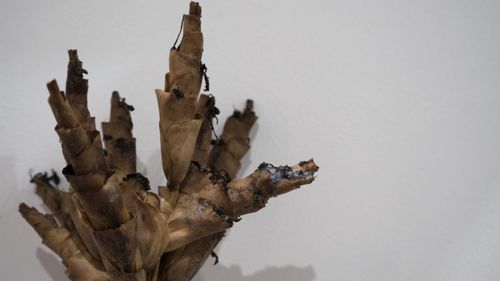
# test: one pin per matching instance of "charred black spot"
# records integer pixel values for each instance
(282, 172)
(229, 221)
(140, 178)
(107, 137)
(68, 170)
(75, 81)
(123, 145)
(214, 255)
(178, 93)
(105, 152)
(219, 210)
(203, 72)
(237, 114)
(264, 165)
(54, 178)
(211, 108)
(287, 171)
(302, 163)
(123, 103)
(196, 164)
(217, 142)
(258, 198)
(220, 176)
(212, 112)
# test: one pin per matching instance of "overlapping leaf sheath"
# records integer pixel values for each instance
(114, 216)
(179, 126)
(108, 225)
(118, 139)
(60, 241)
(224, 160)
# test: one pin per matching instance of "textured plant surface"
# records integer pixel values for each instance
(109, 226)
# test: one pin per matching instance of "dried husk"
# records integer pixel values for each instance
(111, 227)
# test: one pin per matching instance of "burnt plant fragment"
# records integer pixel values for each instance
(109, 225)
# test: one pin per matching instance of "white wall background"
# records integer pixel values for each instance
(398, 102)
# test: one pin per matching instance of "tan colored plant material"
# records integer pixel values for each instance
(109, 225)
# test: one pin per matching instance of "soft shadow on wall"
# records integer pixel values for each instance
(51, 264)
(233, 273)
(219, 272)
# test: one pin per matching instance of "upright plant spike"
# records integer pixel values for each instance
(109, 226)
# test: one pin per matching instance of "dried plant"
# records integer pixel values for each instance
(109, 226)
